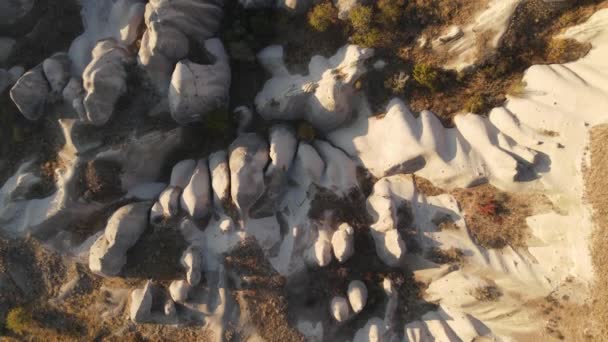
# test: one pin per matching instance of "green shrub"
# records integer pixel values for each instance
(360, 18)
(426, 76)
(391, 10)
(370, 38)
(19, 320)
(475, 104)
(323, 16)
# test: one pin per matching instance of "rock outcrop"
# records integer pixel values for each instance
(199, 89)
(324, 97)
(109, 252)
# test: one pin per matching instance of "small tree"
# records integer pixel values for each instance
(360, 18)
(426, 76)
(323, 16)
(391, 10)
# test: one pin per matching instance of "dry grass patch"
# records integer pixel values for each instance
(489, 293)
(497, 219)
(596, 184)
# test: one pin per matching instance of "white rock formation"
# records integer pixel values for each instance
(357, 295)
(324, 97)
(170, 25)
(383, 205)
(248, 158)
(492, 21)
(192, 261)
(182, 172)
(199, 89)
(169, 201)
(116, 20)
(31, 93)
(220, 178)
(179, 290)
(104, 81)
(141, 304)
(108, 254)
(339, 309)
(196, 198)
(57, 71)
(143, 157)
(319, 254)
(343, 242)
(345, 6)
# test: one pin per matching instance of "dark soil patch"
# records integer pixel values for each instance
(489, 293)
(102, 180)
(156, 255)
(261, 293)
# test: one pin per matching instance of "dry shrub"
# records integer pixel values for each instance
(565, 50)
(489, 293)
(323, 16)
(497, 219)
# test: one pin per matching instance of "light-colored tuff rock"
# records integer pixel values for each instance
(383, 205)
(169, 200)
(107, 255)
(31, 93)
(141, 304)
(199, 89)
(57, 71)
(142, 158)
(170, 27)
(220, 178)
(181, 173)
(339, 309)
(343, 242)
(319, 254)
(115, 20)
(192, 261)
(453, 33)
(248, 158)
(104, 81)
(324, 97)
(14, 10)
(357, 295)
(196, 198)
(373, 331)
(179, 290)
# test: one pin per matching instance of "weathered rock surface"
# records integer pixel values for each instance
(31, 93)
(357, 295)
(141, 304)
(192, 262)
(57, 71)
(104, 81)
(248, 158)
(199, 89)
(339, 309)
(12, 11)
(196, 198)
(324, 97)
(108, 254)
(343, 242)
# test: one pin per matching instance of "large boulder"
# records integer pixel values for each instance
(108, 254)
(199, 89)
(105, 81)
(196, 198)
(11, 11)
(248, 158)
(31, 93)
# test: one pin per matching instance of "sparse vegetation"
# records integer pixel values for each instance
(361, 17)
(489, 293)
(447, 256)
(19, 320)
(427, 76)
(497, 219)
(323, 16)
(475, 104)
(565, 50)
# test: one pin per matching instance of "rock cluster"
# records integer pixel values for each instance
(324, 97)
